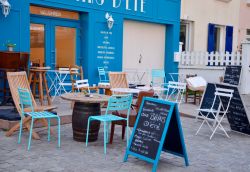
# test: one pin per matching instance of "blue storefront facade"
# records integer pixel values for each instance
(94, 38)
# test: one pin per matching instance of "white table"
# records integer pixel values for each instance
(57, 78)
(125, 90)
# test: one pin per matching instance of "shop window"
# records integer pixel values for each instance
(186, 35)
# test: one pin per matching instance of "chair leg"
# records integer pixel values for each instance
(186, 97)
(108, 131)
(123, 131)
(87, 137)
(200, 126)
(127, 133)
(105, 137)
(195, 97)
(20, 131)
(30, 136)
(112, 133)
(48, 129)
(59, 132)
(220, 126)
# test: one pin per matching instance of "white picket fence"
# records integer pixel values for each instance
(210, 59)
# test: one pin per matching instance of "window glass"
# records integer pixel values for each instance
(248, 32)
(186, 35)
(217, 35)
(37, 44)
(65, 46)
(183, 36)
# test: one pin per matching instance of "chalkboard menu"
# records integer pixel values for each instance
(158, 128)
(232, 75)
(208, 98)
(149, 129)
(175, 145)
(237, 115)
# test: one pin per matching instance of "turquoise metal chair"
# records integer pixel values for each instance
(26, 102)
(102, 75)
(158, 77)
(116, 103)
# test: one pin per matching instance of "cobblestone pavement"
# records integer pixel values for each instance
(218, 154)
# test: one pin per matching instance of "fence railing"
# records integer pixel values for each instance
(210, 59)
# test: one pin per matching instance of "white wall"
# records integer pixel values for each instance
(244, 22)
(147, 40)
(203, 12)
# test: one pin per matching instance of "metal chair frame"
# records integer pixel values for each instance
(115, 103)
(63, 73)
(82, 84)
(102, 75)
(175, 91)
(222, 110)
(26, 102)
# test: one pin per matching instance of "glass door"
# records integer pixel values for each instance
(54, 42)
(65, 46)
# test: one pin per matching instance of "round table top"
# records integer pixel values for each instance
(80, 97)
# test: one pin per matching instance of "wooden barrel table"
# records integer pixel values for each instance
(83, 108)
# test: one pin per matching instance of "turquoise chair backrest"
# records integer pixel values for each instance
(158, 74)
(25, 99)
(119, 102)
(102, 74)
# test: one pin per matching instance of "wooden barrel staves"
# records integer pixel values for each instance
(80, 116)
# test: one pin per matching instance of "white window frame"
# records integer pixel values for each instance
(189, 34)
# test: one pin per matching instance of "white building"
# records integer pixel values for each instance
(214, 25)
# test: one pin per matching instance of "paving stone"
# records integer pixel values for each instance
(220, 154)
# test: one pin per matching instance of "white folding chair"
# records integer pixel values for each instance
(82, 84)
(175, 91)
(224, 96)
(63, 73)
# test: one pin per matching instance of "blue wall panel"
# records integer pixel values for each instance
(93, 28)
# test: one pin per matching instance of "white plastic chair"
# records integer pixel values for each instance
(175, 91)
(217, 113)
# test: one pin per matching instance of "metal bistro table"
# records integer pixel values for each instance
(83, 108)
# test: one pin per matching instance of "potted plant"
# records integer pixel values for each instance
(10, 46)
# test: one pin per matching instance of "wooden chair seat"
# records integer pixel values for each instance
(41, 108)
(132, 115)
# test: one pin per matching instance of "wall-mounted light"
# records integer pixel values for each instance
(5, 7)
(110, 20)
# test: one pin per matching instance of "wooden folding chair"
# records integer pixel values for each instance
(19, 79)
(118, 80)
